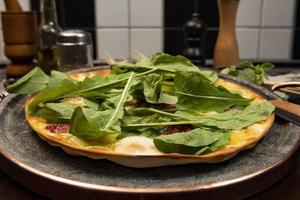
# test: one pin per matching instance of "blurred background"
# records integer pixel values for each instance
(267, 30)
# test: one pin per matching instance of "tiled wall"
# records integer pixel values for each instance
(266, 29)
(126, 27)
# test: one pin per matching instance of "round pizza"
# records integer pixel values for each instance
(161, 110)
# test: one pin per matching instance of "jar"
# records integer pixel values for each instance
(74, 50)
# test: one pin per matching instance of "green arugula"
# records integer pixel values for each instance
(93, 86)
(165, 63)
(248, 71)
(52, 93)
(152, 87)
(34, 81)
(89, 124)
(233, 120)
(196, 93)
(190, 142)
(224, 139)
(56, 112)
(98, 123)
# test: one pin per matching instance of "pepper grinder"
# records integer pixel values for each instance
(226, 48)
(195, 33)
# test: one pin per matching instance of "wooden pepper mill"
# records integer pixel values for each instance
(226, 49)
(20, 38)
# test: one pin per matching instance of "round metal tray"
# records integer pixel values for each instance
(55, 174)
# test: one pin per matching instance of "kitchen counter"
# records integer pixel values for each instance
(286, 189)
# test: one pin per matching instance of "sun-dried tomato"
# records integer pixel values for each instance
(177, 128)
(58, 128)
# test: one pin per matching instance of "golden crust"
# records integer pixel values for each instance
(240, 140)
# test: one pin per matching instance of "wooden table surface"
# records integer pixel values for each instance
(288, 188)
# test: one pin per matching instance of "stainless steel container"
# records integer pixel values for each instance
(74, 50)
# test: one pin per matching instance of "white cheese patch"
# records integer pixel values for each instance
(136, 145)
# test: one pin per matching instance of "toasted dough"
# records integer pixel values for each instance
(240, 139)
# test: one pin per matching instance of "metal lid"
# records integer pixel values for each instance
(74, 37)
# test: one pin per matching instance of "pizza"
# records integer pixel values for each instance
(159, 111)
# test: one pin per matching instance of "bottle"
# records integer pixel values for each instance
(195, 34)
(49, 29)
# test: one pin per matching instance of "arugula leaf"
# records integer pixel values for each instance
(56, 78)
(248, 74)
(173, 62)
(210, 75)
(52, 93)
(167, 99)
(125, 66)
(152, 87)
(97, 85)
(187, 142)
(253, 113)
(148, 132)
(118, 111)
(231, 70)
(196, 93)
(88, 123)
(56, 112)
(164, 63)
(256, 74)
(91, 104)
(32, 82)
(223, 140)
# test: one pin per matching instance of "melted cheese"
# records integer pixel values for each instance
(136, 145)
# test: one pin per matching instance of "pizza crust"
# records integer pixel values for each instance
(240, 139)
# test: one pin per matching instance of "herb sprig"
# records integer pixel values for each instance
(248, 71)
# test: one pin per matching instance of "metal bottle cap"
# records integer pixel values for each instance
(74, 37)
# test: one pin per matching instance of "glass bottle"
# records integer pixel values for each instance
(49, 29)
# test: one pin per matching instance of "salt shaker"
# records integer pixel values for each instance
(74, 50)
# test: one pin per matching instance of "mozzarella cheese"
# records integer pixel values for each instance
(136, 145)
